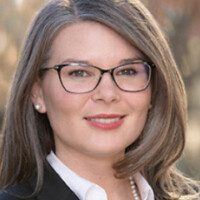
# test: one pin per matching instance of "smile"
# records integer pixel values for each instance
(105, 121)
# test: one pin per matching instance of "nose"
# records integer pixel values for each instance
(106, 91)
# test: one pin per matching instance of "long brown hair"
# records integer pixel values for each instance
(27, 134)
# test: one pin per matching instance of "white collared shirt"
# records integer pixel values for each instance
(86, 190)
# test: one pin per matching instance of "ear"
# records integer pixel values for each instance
(37, 97)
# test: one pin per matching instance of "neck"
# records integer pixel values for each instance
(98, 170)
(99, 167)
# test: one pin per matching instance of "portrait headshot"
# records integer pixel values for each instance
(97, 108)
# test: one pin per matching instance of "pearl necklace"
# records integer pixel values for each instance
(134, 190)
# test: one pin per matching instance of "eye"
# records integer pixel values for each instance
(127, 72)
(79, 73)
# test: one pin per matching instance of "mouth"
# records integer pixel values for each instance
(105, 121)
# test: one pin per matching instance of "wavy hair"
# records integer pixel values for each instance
(27, 134)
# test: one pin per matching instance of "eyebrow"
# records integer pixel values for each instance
(128, 60)
(123, 61)
(71, 60)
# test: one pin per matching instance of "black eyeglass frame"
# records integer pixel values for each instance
(59, 67)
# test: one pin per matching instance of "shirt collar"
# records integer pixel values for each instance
(144, 188)
(86, 190)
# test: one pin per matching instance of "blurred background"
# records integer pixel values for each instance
(179, 20)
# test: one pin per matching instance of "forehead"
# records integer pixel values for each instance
(91, 41)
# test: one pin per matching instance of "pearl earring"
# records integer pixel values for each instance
(37, 106)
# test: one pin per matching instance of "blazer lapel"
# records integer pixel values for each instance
(54, 188)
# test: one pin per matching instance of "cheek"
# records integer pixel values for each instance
(140, 101)
(139, 105)
(61, 111)
(60, 104)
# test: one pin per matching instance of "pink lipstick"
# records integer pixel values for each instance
(105, 121)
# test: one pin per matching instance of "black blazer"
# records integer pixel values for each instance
(53, 188)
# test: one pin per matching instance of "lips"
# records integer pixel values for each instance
(105, 121)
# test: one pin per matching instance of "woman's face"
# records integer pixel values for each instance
(105, 121)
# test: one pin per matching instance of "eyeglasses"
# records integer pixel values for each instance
(80, 78)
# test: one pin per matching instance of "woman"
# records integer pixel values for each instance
(97, 108)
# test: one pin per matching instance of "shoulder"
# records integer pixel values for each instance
(4, 195)
(17, 192)
(53, 187)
